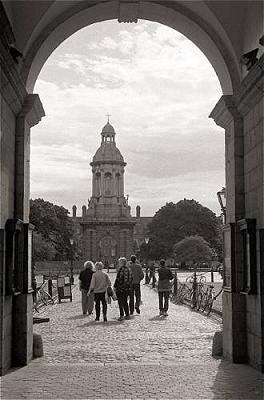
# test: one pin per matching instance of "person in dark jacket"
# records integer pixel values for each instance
(138, 275)
(122, 287)
(164, 287)
(85, 278)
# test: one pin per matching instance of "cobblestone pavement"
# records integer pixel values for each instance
(147, 357)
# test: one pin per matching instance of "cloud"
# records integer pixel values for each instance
(159, 89)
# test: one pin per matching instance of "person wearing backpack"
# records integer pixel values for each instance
(164, 287)
(138, 275)
(85, 278)
(122, 287)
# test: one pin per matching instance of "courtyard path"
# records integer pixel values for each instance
(147, 357)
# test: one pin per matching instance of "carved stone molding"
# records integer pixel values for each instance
(225, 111)
(32, 110)
(128, 11)
(252, 88)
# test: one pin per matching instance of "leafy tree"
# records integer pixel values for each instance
(42, 249)
(53, 224)
(192, 249)
(173, 222)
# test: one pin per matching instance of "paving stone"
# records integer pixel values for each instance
(147, 357)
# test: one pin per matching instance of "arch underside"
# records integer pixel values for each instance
(190, 25)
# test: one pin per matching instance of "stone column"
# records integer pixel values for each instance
(226, 115)
(30, 114)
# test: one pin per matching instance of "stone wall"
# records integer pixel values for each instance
(252, 106)
(7, 171)
(19, 112)
(241, 115)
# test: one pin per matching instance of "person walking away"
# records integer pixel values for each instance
(152, 269)
(137, 276)
(85, 278)
(99, 284)
(164, 287)
(122, 287)
(147, 278)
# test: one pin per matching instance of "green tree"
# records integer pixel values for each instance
(192, 249)
(173, 222)
(54, 225)
(42, 249)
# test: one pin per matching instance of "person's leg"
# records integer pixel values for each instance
(125, 304)
(138, 297)
(97, 305)
(131, 300)
(84, 301)
(161, 302)
(104, 305)
(166, 301)
(120, 304)
(90, 303)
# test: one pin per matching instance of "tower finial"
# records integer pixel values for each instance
(108, 115)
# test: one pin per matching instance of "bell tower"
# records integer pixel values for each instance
(108, 167)
(108, 225)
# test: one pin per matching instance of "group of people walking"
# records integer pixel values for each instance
(96, 287)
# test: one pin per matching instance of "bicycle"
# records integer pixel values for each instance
(200, 278)
(200, 295)
(207, 300)
(196, 280)
(183, 294)
(42, 297)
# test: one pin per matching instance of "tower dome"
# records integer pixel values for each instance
(108, 129)
(108, 152)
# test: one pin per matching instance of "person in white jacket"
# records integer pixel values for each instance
(99, 284)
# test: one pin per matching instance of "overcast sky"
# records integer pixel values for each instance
(159, 89)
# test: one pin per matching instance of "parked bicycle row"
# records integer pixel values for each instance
(195, 291)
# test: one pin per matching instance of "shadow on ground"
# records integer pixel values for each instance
(233, 382)
(100, 323)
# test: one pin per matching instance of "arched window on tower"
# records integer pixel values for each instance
(97, 184)
(118, 185)
(108, 183)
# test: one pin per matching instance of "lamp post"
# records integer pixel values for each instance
(146, 239)
(71, 268)
(221, 195)
(214, 257)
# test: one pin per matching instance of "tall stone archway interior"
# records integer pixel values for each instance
(227, 33)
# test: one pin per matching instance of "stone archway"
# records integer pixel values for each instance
(239, 112)
(207, 36)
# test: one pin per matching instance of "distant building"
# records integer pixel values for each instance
(108, 231)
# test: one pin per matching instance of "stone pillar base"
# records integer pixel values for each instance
(22, 345)
(234, 327)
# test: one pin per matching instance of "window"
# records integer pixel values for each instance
(248, 231)
(108, 184)
(229, 238)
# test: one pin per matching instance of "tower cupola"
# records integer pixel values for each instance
(108, 133)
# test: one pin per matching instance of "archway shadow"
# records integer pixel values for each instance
(157, 318)
(80, 316)
(101, 323)
(237, 381)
